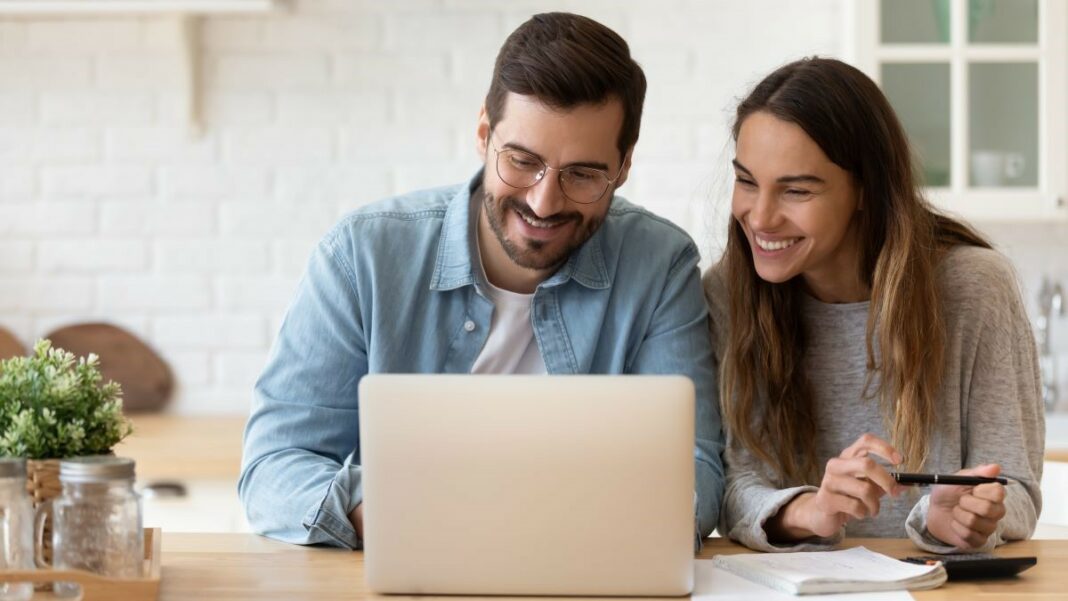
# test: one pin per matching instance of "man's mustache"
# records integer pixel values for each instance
(524, 209)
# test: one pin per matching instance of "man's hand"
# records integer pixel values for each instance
(356, 517)
(966, 516)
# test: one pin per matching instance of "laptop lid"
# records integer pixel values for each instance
(528, 485)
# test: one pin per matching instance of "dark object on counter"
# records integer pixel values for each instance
(145, 379)
(164, 489)
(977, 565)
(10, 346)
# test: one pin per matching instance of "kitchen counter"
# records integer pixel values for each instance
(187, 470)
(173, 447)
(182, 447)
(236, 567)
(1057, 436)
(202, 455)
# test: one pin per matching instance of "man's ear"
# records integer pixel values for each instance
(624, 171)
(482, 132)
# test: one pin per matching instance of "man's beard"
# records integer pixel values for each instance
(530, 253)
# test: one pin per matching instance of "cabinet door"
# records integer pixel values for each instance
(919, 93)
(979, 86)
(1003, 97)
(1003, 124)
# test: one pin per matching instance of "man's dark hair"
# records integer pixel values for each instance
(567, 60)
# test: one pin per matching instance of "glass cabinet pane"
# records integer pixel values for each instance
(914, 21)
(1003, 124)
(919, 93)
(1003, 21)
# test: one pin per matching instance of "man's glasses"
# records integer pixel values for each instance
(582, 185)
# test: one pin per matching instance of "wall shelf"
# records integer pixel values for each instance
(137, 7)
(185, 15)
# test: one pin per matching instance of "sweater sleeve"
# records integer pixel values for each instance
(752, 499)
(1002, 417)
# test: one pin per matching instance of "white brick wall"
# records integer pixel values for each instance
(91, 255)
(110, 210)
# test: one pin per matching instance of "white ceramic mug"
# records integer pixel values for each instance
(994, 168)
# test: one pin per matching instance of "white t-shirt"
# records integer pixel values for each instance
(511, 347)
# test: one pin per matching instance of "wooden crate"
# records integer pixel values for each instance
(99, 588)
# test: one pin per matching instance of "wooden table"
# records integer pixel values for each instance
(237, 567)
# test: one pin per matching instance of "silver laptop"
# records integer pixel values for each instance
(528, 485)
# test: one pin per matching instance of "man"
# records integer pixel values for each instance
(534, 266)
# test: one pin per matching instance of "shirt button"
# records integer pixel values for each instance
(469, 326)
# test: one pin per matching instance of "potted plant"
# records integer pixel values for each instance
(54, 406)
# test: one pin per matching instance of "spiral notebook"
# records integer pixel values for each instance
(850, 570)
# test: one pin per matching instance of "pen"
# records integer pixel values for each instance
(904, 478)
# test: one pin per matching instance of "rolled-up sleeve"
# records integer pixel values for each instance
(300, 473)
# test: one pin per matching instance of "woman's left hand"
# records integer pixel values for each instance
(966, 516)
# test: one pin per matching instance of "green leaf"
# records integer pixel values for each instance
(53, 405)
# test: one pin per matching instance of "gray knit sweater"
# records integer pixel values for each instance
(990, 410)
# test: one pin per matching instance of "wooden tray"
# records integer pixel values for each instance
(99, 588)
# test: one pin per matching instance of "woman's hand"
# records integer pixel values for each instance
(853, 483)
(966, 516)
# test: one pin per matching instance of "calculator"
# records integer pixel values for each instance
(977, 565)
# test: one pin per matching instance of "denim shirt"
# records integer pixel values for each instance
(392, 288)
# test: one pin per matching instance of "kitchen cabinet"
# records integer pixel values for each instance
(1053, 522)
(1054, 490)
(980, 86)
(206, 506)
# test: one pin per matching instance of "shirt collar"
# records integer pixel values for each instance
(456, 265)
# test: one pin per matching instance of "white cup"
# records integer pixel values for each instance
(994, 168)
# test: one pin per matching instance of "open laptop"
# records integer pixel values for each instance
(528, 485)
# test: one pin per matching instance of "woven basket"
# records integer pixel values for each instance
(42, 483)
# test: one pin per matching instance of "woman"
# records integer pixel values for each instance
(859, 332)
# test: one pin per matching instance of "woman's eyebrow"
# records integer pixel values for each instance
(741, 167)
(801, 179)
(786, 179)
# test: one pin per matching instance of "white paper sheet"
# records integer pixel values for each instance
(857, 563)
(714, 584)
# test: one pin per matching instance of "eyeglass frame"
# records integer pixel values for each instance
(546, 168)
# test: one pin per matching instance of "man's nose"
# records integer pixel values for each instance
(546, 198)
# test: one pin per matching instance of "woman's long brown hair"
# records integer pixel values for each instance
(766, 398)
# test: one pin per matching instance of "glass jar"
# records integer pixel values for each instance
(16, 527)
(96, 519)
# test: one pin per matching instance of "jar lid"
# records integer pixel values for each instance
(96, 468)
(12, 467)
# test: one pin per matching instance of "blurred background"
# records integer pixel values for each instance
(167, 165)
